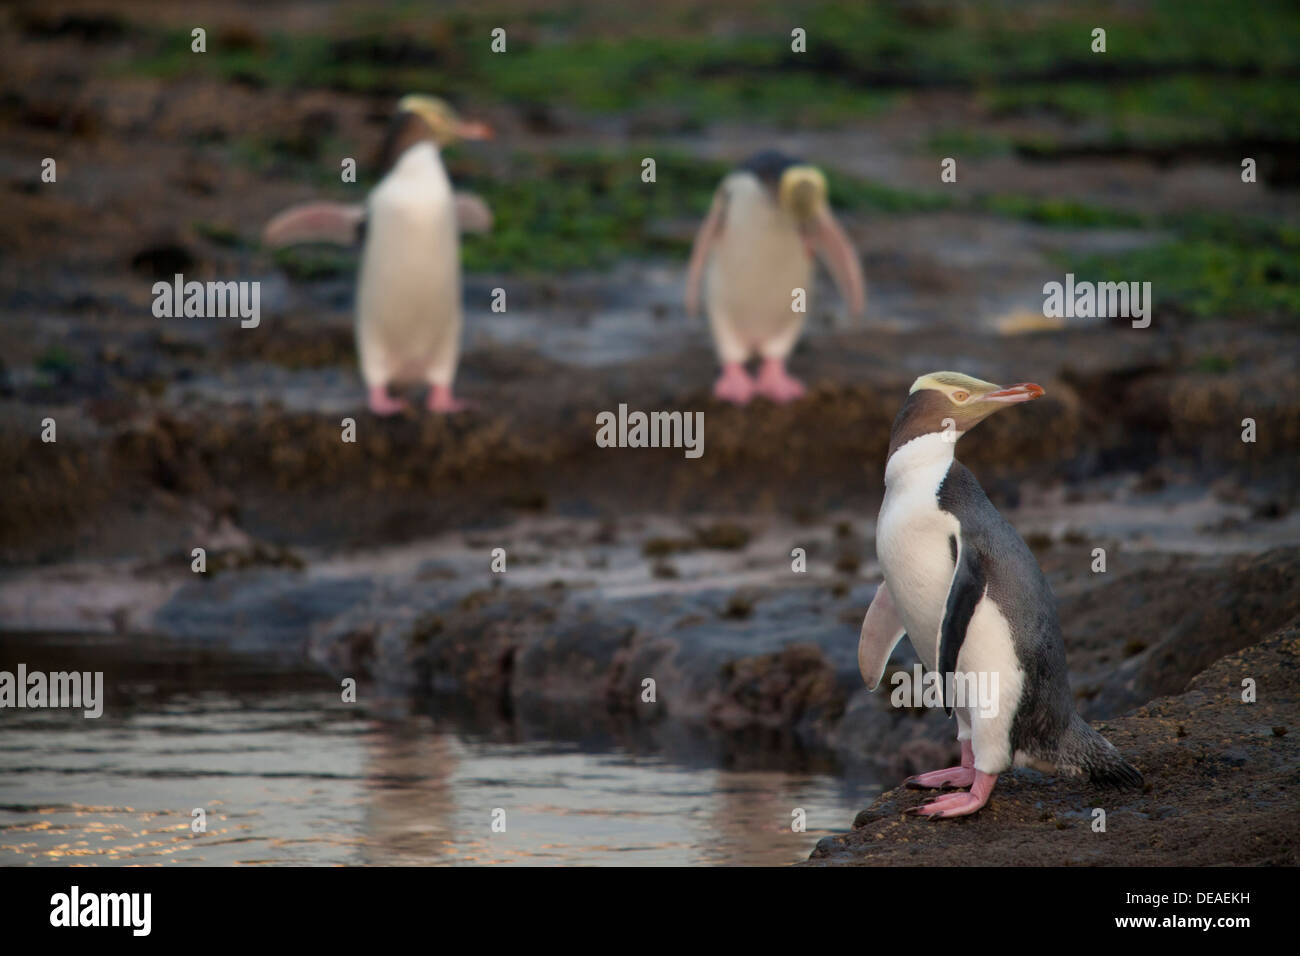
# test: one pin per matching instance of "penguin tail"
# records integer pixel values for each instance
(1084, 751)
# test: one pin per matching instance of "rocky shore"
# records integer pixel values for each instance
(1221, 778)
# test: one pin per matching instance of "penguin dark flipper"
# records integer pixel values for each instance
(965, 592)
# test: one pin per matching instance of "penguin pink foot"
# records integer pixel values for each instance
(775, 383)
(953, 777)
(443, 402)
(963, 802)
(734, 384)
(383, 404)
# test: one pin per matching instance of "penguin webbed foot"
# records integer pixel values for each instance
(775, 383)
(382, 403)
(952, 778)
(960, 803)
(442, 401)
(734, 385)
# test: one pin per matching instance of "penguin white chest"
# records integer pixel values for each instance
(914, 540)
(408, 295)
(759, 262)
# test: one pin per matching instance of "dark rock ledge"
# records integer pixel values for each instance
(1222, 782)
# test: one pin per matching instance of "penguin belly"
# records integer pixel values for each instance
(913, 544)
(409, 295)
(989, 654)
(759, 261)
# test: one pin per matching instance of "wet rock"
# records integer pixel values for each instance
(725, 536)
(1172, 624)
(1193, 811)
(268, 610)
(794, 688)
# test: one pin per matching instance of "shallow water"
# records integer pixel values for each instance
(288, 774)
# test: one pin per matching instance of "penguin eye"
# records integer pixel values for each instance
(960, 396)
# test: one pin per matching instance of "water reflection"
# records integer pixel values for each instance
(287, 774)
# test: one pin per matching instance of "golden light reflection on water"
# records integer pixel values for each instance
(290, 776)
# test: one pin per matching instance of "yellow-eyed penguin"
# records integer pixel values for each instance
(971, 598)
(408, 311)
(756, 244)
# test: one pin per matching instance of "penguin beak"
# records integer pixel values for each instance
(468, 129)
(1014, 394)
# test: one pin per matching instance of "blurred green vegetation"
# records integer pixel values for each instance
(1199, 75)
(56, 361)
(1172, 69)
(1218, 266)
(596, 210)
(1164, 112)
(308, 263)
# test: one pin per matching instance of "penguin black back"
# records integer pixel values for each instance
(1046, 724)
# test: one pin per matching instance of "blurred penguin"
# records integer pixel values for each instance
(768, 218)
(409, 288)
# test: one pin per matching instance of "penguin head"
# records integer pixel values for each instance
(444, 124)
(953, 403)
(422, 119)
(802, 193)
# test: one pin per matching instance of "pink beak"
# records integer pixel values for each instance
(1012, 394)
(469, 129)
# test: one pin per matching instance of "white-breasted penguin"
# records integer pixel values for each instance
(972, 600)
(408, 312)
(756, 245)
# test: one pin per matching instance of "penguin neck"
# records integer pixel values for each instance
(420, 170)
(406, 134)
(418, 155)
(929, 455)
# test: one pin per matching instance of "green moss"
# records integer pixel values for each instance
(863, 195)
(1059, 212)
(307, 263)
(1173, 70)
(1213, 363)
(968, 144)
(222, 234)
(1217, 268)
(1162, 112)
(56, 361)
(596, 210)
(279, 156)
(694, 79)
(593, 211)
(990, 41)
